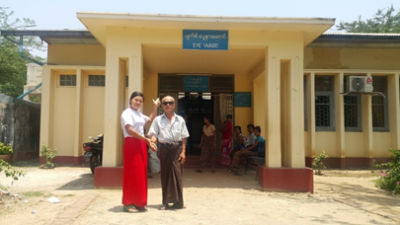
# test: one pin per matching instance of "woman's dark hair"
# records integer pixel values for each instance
(229, 116)
(250, 125)
(240, 129)
(257, 128)
(135, 94)
(207, 117)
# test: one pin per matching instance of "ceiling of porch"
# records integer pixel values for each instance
(158, 59)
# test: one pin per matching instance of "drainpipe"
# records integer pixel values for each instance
(21, 53)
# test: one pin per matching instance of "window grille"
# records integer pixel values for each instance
(352, 113)
(97, 80)
(324, 103)
(380, 116)
(67, 80)
(322, 111)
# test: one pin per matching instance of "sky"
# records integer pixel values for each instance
(59, 14)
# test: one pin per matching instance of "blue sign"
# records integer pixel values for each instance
(196, 83)
(205, 39)
(242, 99)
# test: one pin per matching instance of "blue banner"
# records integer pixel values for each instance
(242, 99)
(205, 39)
(196, 83)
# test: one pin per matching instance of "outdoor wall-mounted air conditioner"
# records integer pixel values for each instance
(359, 84)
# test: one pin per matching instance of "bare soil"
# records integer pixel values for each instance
(341, 197)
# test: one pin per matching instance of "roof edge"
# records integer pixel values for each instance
(197, 18)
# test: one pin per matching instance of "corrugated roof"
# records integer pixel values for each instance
(362, 34)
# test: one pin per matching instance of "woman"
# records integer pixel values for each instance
(208, 143)
(239, 141)
(134, 190)
(226, 129)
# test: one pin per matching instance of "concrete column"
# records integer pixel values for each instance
(78, 113)
(311, 113)
(296, 114)
(339, 116)
(272, 113)
(367, 124)
(48, 83)
(394, 110)
(114, 89)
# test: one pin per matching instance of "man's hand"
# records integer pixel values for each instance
(182, 158)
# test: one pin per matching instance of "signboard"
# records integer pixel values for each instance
(242, 99)
(196, 83)
(205, 39)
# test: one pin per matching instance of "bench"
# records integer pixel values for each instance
(255, 161)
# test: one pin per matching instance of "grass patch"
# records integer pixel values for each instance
(33, 194)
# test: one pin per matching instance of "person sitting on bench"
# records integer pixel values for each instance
(255, 150)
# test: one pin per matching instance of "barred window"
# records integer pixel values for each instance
(97, 80)
(67, 80)
(352, 113)
(380, 116)
(324, 103)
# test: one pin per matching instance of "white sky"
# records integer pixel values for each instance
(58, 14)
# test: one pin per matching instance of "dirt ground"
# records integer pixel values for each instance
(341, 197)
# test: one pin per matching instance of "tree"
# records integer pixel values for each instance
(385, 21)
(12, 66)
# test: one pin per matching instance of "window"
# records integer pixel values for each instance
(380, 116)
(352, 111)
(67, 80)
(97, 80)
(324, 103)
(305, 101)
(127, 81)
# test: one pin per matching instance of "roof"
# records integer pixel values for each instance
(357, 40)
(329, 39)
(56, 36)
(98, 22)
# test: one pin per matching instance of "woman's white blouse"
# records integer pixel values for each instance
(209, 131)
(134, 118)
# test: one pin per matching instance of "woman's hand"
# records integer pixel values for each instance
(157, 102)
(151, 144)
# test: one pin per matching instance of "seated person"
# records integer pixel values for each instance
(239, 141)
(255, 150)
(251, 138)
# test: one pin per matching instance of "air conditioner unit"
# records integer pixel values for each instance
(359, 84)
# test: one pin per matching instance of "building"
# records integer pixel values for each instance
(283, 74)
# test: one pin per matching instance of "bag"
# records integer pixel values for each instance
(153, 162)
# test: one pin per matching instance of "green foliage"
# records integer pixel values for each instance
(5, 149)
(12, 65)
(35, 98)
(9, 171)
(385, 21)
(390, 178)
(318, 163)
(48, 154)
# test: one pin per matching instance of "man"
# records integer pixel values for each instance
(171, 131)
(251, 138)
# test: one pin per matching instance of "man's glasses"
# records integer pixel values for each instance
(168, 103)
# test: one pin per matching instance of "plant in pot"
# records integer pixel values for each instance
(5, 152)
